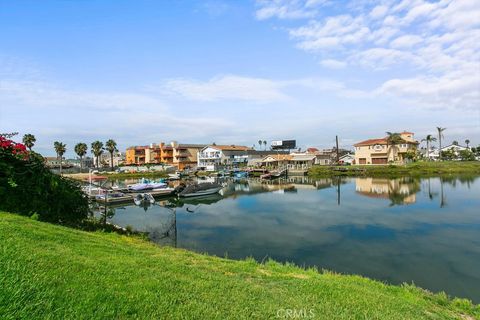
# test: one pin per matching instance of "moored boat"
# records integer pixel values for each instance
(143, 198)
(200, 189)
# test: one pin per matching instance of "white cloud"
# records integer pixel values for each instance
(288, 9)
(431, 41)
(406, 41)
(228, 87)
(379, 11)
(333, 64)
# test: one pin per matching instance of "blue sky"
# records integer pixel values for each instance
(238, 71)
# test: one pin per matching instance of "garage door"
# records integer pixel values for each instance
(362, 161)
(379, 160)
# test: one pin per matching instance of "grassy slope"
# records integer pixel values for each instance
(49, 271)
(412, 169)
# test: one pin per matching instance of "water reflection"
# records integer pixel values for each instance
(400, 191)
(424, 231)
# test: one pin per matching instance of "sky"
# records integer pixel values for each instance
(235, 72)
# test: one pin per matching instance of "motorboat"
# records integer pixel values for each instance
(109, 195)
(200, 189)
(143, 186)
(143, 198)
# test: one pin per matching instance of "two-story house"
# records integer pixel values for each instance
(214, 157)
(380, 151)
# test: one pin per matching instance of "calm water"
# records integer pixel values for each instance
(425, 231)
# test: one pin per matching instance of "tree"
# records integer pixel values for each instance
(81, 151)
(467, 142)
(265, 143)
(260, 142)
(429, 138)
(111, 147)
(440, 136)
(29, 188)
(455, 142)
(60, 149)
(393, 139)
(97, 150)
(466, 155)
(29, 141)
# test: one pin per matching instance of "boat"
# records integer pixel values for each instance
(200, 189)
(109, 195)
(143, 198)
(241, 174)
(147, 185)
(174, 176)
(266, 176)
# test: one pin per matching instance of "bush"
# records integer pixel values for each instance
(28, 187)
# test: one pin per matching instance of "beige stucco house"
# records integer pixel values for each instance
(379, 151)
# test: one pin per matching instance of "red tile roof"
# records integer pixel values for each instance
(370, 142)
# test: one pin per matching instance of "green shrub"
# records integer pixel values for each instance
(28, 187)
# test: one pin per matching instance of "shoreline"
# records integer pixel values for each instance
(94, 275)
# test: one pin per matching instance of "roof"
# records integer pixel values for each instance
(370, 142)
(303, 157)
(278, 157)
(230, 147)
(407, 132)
(312, 150)
(191, 145)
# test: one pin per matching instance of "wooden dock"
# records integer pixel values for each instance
(128, 197)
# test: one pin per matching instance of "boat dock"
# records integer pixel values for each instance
(128, 197)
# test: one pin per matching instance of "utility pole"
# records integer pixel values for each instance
(336, 141)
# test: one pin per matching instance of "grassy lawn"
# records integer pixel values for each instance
(411, 169)
(48, 271)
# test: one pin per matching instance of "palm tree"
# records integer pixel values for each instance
(260, 144)
(111, 147)
(455, 142)
(440, 136)
(429, 138)
(393, 139)
(467, 142)
(97, 150)
(81, 150)
(265, 143)
(29, 141)
(60, 149)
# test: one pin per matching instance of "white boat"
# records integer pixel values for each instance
(201, 189)
(142, 198)
(110, 195)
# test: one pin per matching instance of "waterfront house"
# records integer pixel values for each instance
(276, 161)
(215, 157)
(380, 151)
(347, 159)
(455, 148)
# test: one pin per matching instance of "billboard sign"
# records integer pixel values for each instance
(284, 144)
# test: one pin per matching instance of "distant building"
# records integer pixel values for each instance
(118, 159)
(347, 159)
(181, 155)
(214, 157)
(379, 151)
(434, 154)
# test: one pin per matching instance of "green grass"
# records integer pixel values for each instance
(52, 272)
(411, 169)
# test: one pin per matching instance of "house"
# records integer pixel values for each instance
(137, 155)
(301, 161)
(455, 148)
(347, 159)
(326, 156)
(214, 157)
(276, 160)
(380, 151)
(118, 159)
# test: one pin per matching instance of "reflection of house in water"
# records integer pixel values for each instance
(399, 191)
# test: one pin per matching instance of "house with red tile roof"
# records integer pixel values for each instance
(380, 151)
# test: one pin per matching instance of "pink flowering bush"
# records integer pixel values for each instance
(29, 188)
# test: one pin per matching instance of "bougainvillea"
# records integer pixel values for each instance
(15, 148)
(29, 188)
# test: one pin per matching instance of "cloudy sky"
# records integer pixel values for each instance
(238, 71)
